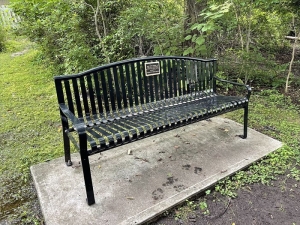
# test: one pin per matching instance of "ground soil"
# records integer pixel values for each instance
(256, 204)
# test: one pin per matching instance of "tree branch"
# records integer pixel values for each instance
(292, 60)
(95, 12)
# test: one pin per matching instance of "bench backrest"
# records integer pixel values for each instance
(128, 83)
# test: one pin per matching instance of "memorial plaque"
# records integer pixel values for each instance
(152, 68)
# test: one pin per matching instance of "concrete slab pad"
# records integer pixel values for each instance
(163, 170)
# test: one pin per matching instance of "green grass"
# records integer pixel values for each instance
(29, 128)
(273, 114)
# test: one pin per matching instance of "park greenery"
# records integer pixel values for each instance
(69, 36)
(74, 35)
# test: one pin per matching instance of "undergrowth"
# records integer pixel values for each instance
(29, 128)
(273, 114)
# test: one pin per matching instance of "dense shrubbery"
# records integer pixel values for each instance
(66, 30)
(76, 34)
(59, 29)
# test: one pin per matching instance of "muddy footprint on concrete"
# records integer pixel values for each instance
(170, 181)
(186, 167)
(179, 187)
(197, 170)
(158, 194)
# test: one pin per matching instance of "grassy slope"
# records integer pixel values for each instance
(29, 126)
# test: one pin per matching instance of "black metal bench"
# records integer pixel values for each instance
(128, 100)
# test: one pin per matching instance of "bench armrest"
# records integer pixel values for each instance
(248, 88)
(78, 125)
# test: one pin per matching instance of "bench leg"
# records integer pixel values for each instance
(66, 139)
(245, 121)
(86, 169)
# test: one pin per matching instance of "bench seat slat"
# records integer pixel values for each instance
(161, 118)
(176, 114)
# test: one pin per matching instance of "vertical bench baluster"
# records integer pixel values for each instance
(128, 82)
(176, 77)
(111, 90)
(117, 88)
(91, 95)
(134, 84)
(105, 93)
(156, 86)
(123, 84)
(214, 73)
(140, 81)
(98, 93)
(145, 79)
(168, 75)
(162, 84)
(77, 99)
(84, 99)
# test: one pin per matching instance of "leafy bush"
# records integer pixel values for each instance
(253, 68)
(60, 29)
(76, 35)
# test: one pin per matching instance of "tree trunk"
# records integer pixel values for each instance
(192, 10)
(293, 57)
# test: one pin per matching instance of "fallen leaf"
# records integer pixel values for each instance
(130, 198)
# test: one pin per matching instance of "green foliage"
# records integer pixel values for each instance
(59, 29)
(66, 30)
(2, 38)
(204, 29)
(149, 27)
(253, 68)
(184, 211)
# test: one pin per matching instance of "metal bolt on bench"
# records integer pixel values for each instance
(126, 101)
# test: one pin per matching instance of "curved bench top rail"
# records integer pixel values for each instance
(128, 61)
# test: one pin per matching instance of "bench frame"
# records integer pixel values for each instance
(79, 94)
